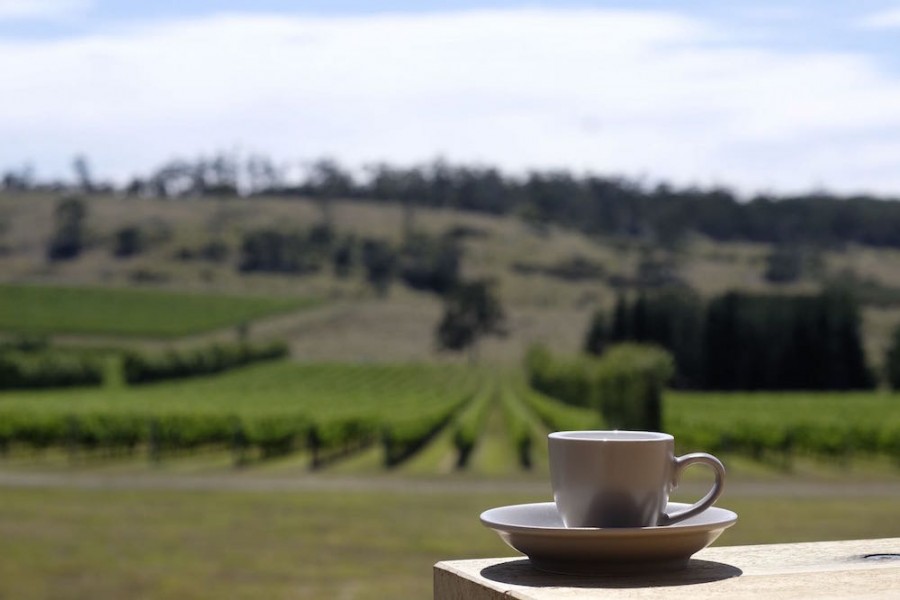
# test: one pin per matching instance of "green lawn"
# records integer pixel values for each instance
(32, 309)
(108, 543)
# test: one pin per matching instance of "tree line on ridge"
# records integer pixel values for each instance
(596, 205)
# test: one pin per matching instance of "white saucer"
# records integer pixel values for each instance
(537, 531)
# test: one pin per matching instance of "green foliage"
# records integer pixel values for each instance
(471, 311)
(670, 318)
(68, 238)
(892, 360)
(559, 416)
(380, 263)
(129, 241)
(470, 424)
(404, 436)
(345, 256)
(785, 342)
(629, 382)
(519, 426)
(46, 369)
(568, 380)
(144, 367)
(297, 252)
(25, 343)
(743, 341)
(777, 426)
(625, 384)
(262, 410)
(275, 435)
(51, 309)
(784, 264)
(430, 263)
(598, 335)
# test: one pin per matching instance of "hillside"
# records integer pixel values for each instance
(549, 279)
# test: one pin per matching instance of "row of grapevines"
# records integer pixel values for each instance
(520, 426)
(773, 424)
(144, 367)
(471, 423)
(46, 369)
(266, 409)
(557, 416)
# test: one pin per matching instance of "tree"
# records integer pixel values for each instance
(68, 238)
(892, 360)
(380, 262)
(784, 264)
(598, 335)
(471, 311)
(621, 327)
(344, 256)
(430, 263)
(129, 241)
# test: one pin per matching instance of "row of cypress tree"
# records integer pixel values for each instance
(739, 341)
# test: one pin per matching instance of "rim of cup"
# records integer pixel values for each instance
(611, 436)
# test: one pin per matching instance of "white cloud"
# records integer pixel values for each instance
(886, 19)
(41, 9)
(639, 93)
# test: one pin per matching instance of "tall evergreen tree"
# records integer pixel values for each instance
(892, 360)
(621, 329)
(598, 335)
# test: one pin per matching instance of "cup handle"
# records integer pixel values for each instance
(681, 463)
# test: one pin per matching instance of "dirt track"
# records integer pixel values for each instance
(254, 483)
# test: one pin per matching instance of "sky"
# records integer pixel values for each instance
(758, 96)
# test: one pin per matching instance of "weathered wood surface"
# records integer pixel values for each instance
(810, 570)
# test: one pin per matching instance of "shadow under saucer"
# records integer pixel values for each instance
(522, 572)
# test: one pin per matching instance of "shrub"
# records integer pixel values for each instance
(629, 382)
(568, 380)
(47, 369)
(129, 241)
(141, 367)
(625, 384)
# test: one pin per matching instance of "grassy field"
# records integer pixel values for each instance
(119, 543)
(34, 309)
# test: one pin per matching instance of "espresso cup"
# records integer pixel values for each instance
(622, 478)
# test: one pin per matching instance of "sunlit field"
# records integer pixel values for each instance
(41, 310)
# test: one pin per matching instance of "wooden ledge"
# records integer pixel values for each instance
(850, 569)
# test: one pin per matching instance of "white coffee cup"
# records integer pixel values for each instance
(622, 478)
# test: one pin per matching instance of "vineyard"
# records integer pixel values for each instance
(47, 310)
(328, 412)
(778, 426)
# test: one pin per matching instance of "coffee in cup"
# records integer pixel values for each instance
(622, 478)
